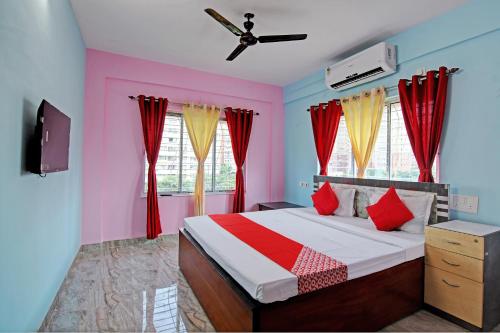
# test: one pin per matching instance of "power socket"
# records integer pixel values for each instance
(464, 203)
(303, 184)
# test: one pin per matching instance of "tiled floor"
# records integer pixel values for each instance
(135, 286)
(132, 286)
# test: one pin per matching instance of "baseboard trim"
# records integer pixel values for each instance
(121, 242)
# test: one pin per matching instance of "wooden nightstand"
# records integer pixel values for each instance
(277, 205)
(462, 273)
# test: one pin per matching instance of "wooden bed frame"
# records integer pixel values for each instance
(368, 303)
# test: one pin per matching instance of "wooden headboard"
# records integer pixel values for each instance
(440, 209)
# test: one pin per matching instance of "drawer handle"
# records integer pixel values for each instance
(451, 285)
(452, 242)
(450, 263)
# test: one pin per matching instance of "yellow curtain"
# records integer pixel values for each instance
(201, 123)
(363, 114)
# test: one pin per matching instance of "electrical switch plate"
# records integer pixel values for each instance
(464, 203)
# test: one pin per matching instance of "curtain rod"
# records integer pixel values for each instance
(179, 103)
(423, 77)
(450, 71)
(337, 102)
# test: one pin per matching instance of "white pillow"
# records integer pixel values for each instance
(346, 201)
(420, 207)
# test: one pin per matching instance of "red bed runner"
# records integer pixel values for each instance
(313, 269)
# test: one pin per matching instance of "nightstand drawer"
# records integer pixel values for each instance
(459, 264)
(469, 245)
(456, 295)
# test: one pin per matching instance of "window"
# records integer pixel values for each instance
(342, 160)
(392, 156)
(177, 165)
(377, 167)
(225, 167)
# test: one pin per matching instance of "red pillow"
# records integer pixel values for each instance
(389, 212)
(325, 201)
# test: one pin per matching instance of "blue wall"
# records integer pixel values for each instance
(42, 55)
(467, 37)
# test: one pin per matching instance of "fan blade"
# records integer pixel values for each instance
(222, 20)
(240, 48)
(281, 38)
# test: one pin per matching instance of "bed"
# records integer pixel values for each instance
(241, 290)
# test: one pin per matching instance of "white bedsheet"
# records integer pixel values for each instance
(349, 239)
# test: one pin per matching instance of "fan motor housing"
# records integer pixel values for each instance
(248, 39)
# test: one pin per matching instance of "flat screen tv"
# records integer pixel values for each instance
(50, 145)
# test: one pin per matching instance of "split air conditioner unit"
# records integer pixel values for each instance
(368, 65)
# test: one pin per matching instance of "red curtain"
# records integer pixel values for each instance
(325, 123)
(239, 122)
(153, 112)
(423, 103)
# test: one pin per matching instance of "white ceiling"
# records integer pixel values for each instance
(179, 32)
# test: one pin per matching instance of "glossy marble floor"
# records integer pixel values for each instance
(132, 286)
(136, 286)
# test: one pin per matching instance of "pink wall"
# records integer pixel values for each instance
(113, 163)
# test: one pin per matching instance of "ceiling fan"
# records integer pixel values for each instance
(247, 38)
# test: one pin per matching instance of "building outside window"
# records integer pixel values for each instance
(176, 166)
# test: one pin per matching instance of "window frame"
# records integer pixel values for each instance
(180, 192)
(387, 104)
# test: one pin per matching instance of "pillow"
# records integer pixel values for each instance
(346, 201)
(389, 212)
(361, 201)
(325, 201)
(419, 205)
